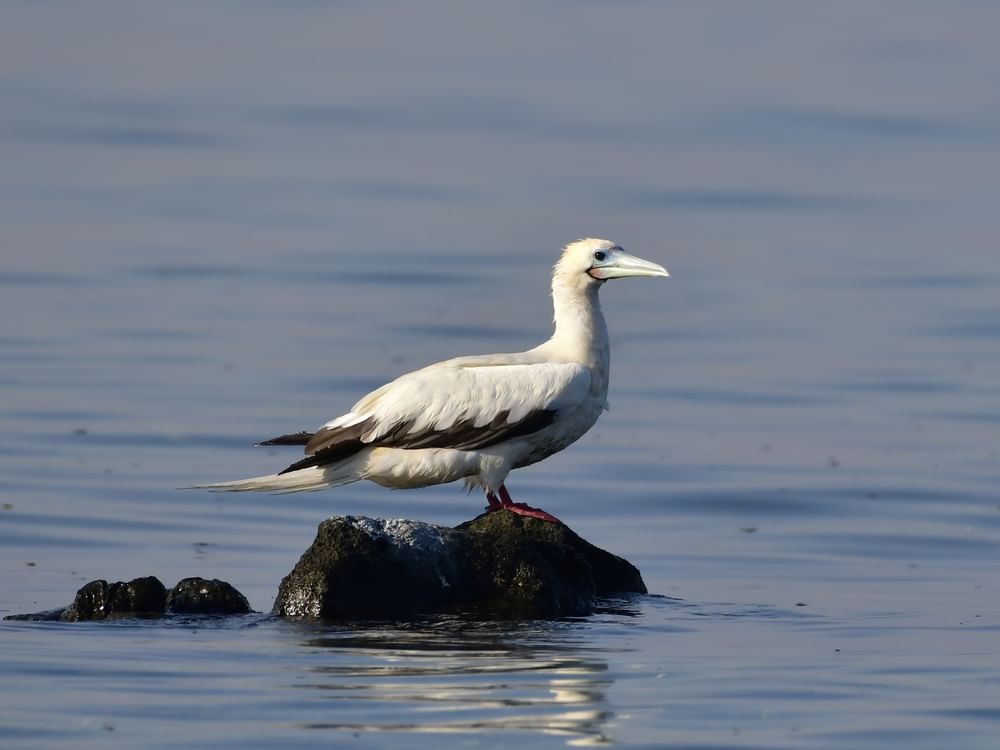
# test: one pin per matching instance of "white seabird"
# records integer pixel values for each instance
(476, 418)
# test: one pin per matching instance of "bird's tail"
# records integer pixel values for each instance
(302, 480)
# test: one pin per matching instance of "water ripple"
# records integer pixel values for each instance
(728, 199)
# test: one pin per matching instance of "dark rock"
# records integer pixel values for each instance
(533, 568)
(361, 567)
(49, 615)
(147, 598)
(198, 596)
(498, 564)
(100, 600)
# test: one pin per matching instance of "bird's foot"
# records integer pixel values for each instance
(504, 502)
(522, 509)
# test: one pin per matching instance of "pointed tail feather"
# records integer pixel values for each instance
(303, 480)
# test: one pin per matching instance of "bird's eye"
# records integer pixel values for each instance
(600, 255)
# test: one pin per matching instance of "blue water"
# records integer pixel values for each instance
(226, 221)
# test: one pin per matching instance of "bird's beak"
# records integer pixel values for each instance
(621, 265)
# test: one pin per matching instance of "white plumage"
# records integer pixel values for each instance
(476, 418)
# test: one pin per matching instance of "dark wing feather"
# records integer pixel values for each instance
(332, 445)
(329, 455)
(298, 438)
(467, 436)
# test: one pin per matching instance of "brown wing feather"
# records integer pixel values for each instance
(297, 438)
(330, 455)
(332, 437)
(331, 445)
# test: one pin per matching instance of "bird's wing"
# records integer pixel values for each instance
(297, 438)
(463, 404)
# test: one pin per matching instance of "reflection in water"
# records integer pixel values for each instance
(451, 675)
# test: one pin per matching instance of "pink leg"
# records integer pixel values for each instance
(494, 504)
(522, 509)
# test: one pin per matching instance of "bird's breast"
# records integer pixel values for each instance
(564, 431)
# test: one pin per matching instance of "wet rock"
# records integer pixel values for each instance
(498, 564)
(532, 568)
(361, 567)
(100, 600)
(146, 598)
(48, 615)
(198, 596)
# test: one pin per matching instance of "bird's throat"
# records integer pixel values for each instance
(580, 334)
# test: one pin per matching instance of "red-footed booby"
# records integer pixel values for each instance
(476, 418)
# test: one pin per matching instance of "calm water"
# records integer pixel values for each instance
(223, 221)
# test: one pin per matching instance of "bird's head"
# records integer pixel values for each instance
(595, 261)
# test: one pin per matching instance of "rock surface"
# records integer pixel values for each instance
(146, 598)
(100, 600)
(498, 564)
(197, 596)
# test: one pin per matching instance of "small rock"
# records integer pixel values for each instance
(48, 615)
(198, 596)
(100, 600)
(146, 598)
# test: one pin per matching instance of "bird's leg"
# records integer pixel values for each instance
(523, 509)
(494, 504)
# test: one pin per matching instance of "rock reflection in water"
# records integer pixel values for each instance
(454, 676)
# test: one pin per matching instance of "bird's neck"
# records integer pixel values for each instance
(581, 333)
